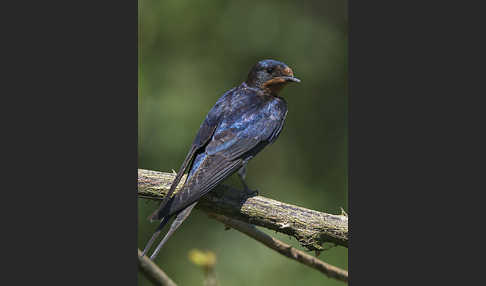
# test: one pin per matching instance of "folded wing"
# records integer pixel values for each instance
(224, 155)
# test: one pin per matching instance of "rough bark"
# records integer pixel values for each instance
(153, 272)
(311, 228)
(283, 248)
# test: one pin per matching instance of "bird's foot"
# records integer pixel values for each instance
(248, 193)
(252, 193)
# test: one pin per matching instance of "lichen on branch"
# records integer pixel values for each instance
(311, 228)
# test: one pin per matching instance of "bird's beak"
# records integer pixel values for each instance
(291, 78)
(288, 75)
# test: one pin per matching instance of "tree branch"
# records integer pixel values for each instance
(311, 228)
(283, 248)
(153, 272)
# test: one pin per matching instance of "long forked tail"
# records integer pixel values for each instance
(180, 218)
(155, 235)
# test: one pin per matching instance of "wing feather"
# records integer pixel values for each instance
(232, 141)
(205, 133)
(212, 170)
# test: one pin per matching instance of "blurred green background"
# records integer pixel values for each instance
(190, 53)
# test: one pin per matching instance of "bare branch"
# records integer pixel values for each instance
(283, 248)
(311, 228)
(153, 272)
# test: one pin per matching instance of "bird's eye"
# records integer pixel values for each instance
(270, 70)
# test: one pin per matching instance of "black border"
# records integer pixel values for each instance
(72, 157)
(411, 134)
(72, 140)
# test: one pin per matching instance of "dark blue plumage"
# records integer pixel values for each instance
(241, 123)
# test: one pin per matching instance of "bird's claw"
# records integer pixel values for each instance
(252, 193)
(248, 193)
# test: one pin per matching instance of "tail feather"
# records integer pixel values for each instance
(155, 235)
(180, 218)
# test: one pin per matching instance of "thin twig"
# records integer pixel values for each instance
(311, 228)
(153, 272)
(283, 248)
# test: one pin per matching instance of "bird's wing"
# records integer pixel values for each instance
(206, 131)
(212, 170)
(223, 156)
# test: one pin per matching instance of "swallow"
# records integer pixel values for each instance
(243, 121)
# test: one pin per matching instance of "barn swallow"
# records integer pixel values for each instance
(241, 123)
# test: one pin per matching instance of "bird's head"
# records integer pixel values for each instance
(270, 75)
